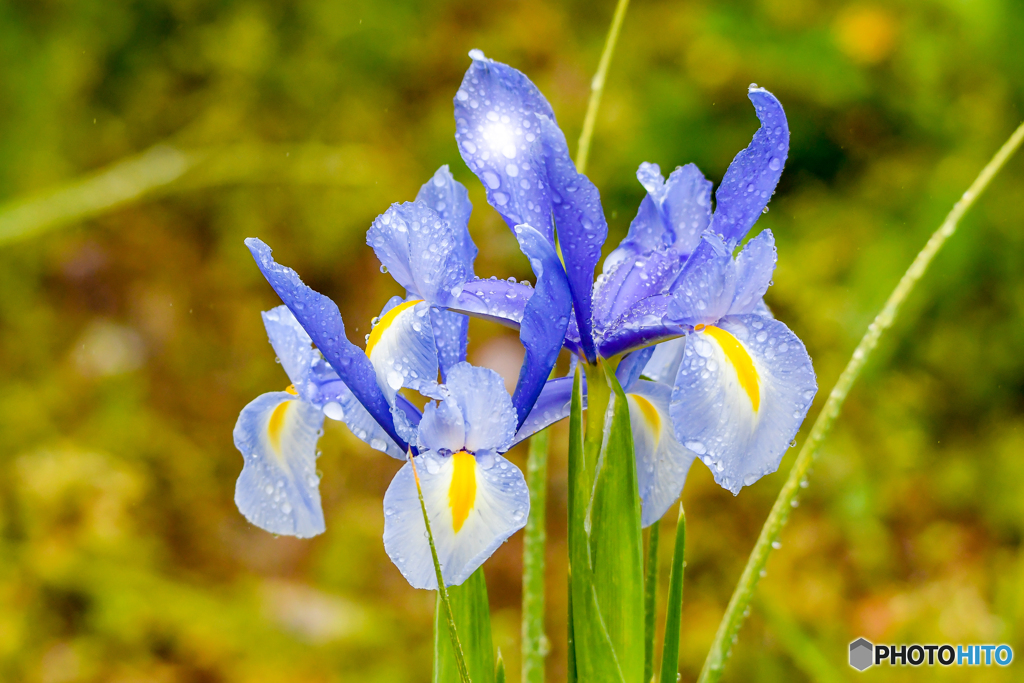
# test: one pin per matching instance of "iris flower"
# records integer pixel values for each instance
(708, 372)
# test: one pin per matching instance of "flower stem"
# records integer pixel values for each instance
(534, 540)
(742, 595)
(597, 86)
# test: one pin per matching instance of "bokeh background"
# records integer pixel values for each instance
(130, 334)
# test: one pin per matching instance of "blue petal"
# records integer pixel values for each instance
(508, 136)
(632, 280)
(672, 214)
(451, 336)
(706, 286)
(293, 347)
(449, 198)
(340, 404)
(500, 508)
(649, 321)
(632, 366)
(420, 251)
(663, 365)
(661, 461)
(485, 406)
(278, 489)
(443, 427)
(754, 268)
(552, 405)
(496, 300)
(713, 409)
(320, 317)
(752, 176)
(545, 319)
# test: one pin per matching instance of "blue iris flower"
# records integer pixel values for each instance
(708, 372)
(475, 498)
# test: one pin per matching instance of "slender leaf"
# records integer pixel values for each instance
(534, 541)
(806, 654)
(674, 609)
(499, 669)
(473, 621)
(616, 540)
(651, 599)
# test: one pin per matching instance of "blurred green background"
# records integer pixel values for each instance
(130, 339)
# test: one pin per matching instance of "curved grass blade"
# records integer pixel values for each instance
(651, 599)
(674, 611)
(472, 615)
(714, 665)
(442, 591)
(534, 540)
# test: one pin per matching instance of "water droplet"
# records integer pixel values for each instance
(775, 164)
(492, 180)
(378, 445)
(697, 447)
(334, 410)
(286, 509)
(383, 268)
(776, 545)
(395, 380)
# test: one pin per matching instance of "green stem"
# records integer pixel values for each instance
(651, 599)
(534, 539)
(744, 592)
(597, 86)
(674, 608)
(442, 591)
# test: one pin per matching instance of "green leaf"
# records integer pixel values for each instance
(592, 658)
(499, 669)
(651, 599)
(616, 540)
(674, 612)
(534, 539)
(472, 616)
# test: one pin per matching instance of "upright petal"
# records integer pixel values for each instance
(661, 461)
(752, 176)
(631, 281)
(545, 319)
(499, 301)
(293, 347)
(401, 348)
(451, 337)
(743, 389)
(474, 505)
(443, 427)
(649, 321)
(449, 198)
(485, 405)
(754, 268)
(321, 319)
(278, 489)
(508, 136)
(706, 286)
(420, 251)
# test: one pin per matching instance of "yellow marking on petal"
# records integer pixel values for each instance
(740, 360)
(650, 414)
(292, 390)
(381, 327)
(462, 491)
(276, 423)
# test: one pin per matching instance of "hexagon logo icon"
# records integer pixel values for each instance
(861, 654)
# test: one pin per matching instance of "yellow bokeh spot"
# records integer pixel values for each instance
(276, 423)
(650, 414)
(462, 491)
(866, 33)
(381, 327)
(740, 360)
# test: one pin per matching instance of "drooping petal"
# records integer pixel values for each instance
(451, 337)
(293, 347)
(278, 489)
(508, 136)
(649, 321)
(340, 404)
(485, 406)
(752, 176)
(443, 427)
(545, 319)
(754, 268)
(401, 349)
(663, 365)
(630, 368)
(706, 286)
(661, 461)
(321, 319)
(552, 405)
(449, 198)
(420, 251)
(743, 389)
(474, 504)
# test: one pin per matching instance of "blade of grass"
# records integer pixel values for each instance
(597, 86)
(442, 591)
(499, 669)
(651, 599)
(472, 614)
(744, 591)
(674, 609)
(801, 647)
(534, 541)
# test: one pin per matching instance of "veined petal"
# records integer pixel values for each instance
(508, 136)
(449, 198)
(474, 504)
(754, 268)
(752, 176)
(451, 337)
(663, 365)
(743, 389)
(278, 489)
(321, 319)
(552, 405)
(401, 349)
(443, 427)
(420, 251)
(649, 321)
(338, 403)
(496, 300)
(545, 319)
(293, 347)
(485, 406)
(631, 281)
(661, 461)
(706, 286)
